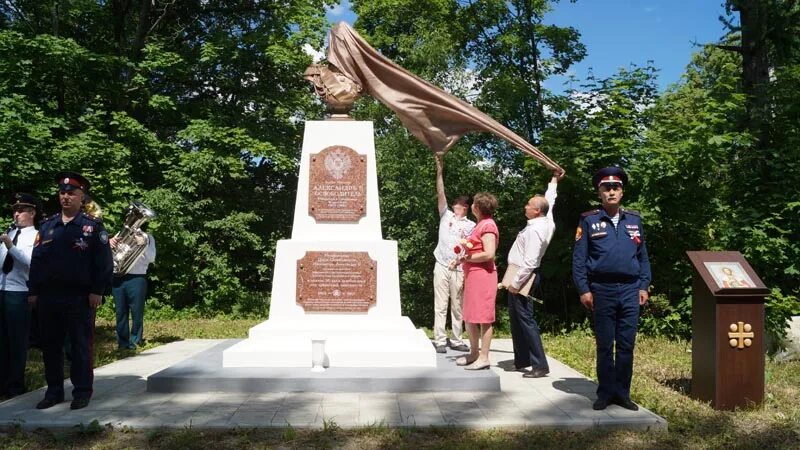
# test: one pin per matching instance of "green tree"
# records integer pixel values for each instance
(514, 51)
(195, 107)
(706, 199)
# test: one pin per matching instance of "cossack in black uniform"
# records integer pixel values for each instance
(71, 264)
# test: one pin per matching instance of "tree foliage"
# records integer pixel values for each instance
(194, 107)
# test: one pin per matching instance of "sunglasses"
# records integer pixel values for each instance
(611, 186)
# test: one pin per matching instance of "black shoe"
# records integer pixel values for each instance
(78, 403)
(49, 402)
(441, 348)
(535, 373)
(627, 404)
(600, 404)
(460, 347)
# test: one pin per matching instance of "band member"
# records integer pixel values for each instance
(611, 270)
(71, 268)
(448, 275)
(526, 254)
(130, 291)
(16, 247)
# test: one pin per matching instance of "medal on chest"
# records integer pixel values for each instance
(598, 230)
(634, 233)
(80, 244)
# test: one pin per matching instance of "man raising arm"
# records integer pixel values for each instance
(525, 257)
(448, 276)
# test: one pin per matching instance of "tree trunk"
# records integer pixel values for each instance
(60, 88)
(534, 113)
(141, 29)
(754, 19)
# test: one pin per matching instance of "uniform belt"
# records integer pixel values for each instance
(55, 289)
(612, 278)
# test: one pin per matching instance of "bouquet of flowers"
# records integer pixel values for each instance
(469, 245)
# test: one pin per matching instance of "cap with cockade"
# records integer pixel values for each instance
(22, 199)
(609, 175)
(68, 181)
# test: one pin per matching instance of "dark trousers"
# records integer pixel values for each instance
(70, 316)
(528, 348)
(15, 316)
(33, 338)
(129, 294)
(616, 316)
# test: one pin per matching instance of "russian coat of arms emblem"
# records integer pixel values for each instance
(338, 163)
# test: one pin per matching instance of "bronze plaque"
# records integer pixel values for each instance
(336, 281)
(337, 189)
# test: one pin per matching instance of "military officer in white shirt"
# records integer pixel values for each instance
(526, 253)
(448, 277)
(16, 247)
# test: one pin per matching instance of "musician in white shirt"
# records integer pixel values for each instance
(526, 253)
(130, 292)
(16, 247)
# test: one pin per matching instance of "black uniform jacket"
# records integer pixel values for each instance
(72, 258)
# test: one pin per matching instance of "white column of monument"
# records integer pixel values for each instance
(336, 279)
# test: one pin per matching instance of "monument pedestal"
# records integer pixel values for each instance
(336, 279)
(352, 342)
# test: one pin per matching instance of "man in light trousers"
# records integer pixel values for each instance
(448, 278)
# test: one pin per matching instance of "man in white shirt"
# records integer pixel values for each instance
(16, 247)
(448, 277)
(130, 291)
(526, 253)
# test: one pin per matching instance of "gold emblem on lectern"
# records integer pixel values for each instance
(741, 335)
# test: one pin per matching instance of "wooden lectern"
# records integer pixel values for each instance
(727, 330)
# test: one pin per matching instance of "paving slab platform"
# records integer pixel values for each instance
(563, 400)
(203, 372)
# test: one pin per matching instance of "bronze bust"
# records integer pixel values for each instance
(336, 89)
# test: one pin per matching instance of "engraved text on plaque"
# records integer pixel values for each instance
(336, 282)
(337, 190)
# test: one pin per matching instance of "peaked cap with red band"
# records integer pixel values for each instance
(68, 181)
(609, 175)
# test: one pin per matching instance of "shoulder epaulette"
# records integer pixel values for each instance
(590, 213)
(631, 211)
(49, 218)
(91, 217)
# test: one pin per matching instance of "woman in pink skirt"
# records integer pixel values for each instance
(480, 284)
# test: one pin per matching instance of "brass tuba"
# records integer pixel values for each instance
(128, 249)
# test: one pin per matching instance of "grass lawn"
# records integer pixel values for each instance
(662, 379)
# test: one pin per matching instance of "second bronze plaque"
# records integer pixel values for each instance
(336, 282)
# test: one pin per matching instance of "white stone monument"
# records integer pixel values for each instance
(336, 280)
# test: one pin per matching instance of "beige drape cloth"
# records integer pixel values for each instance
(435, 117)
